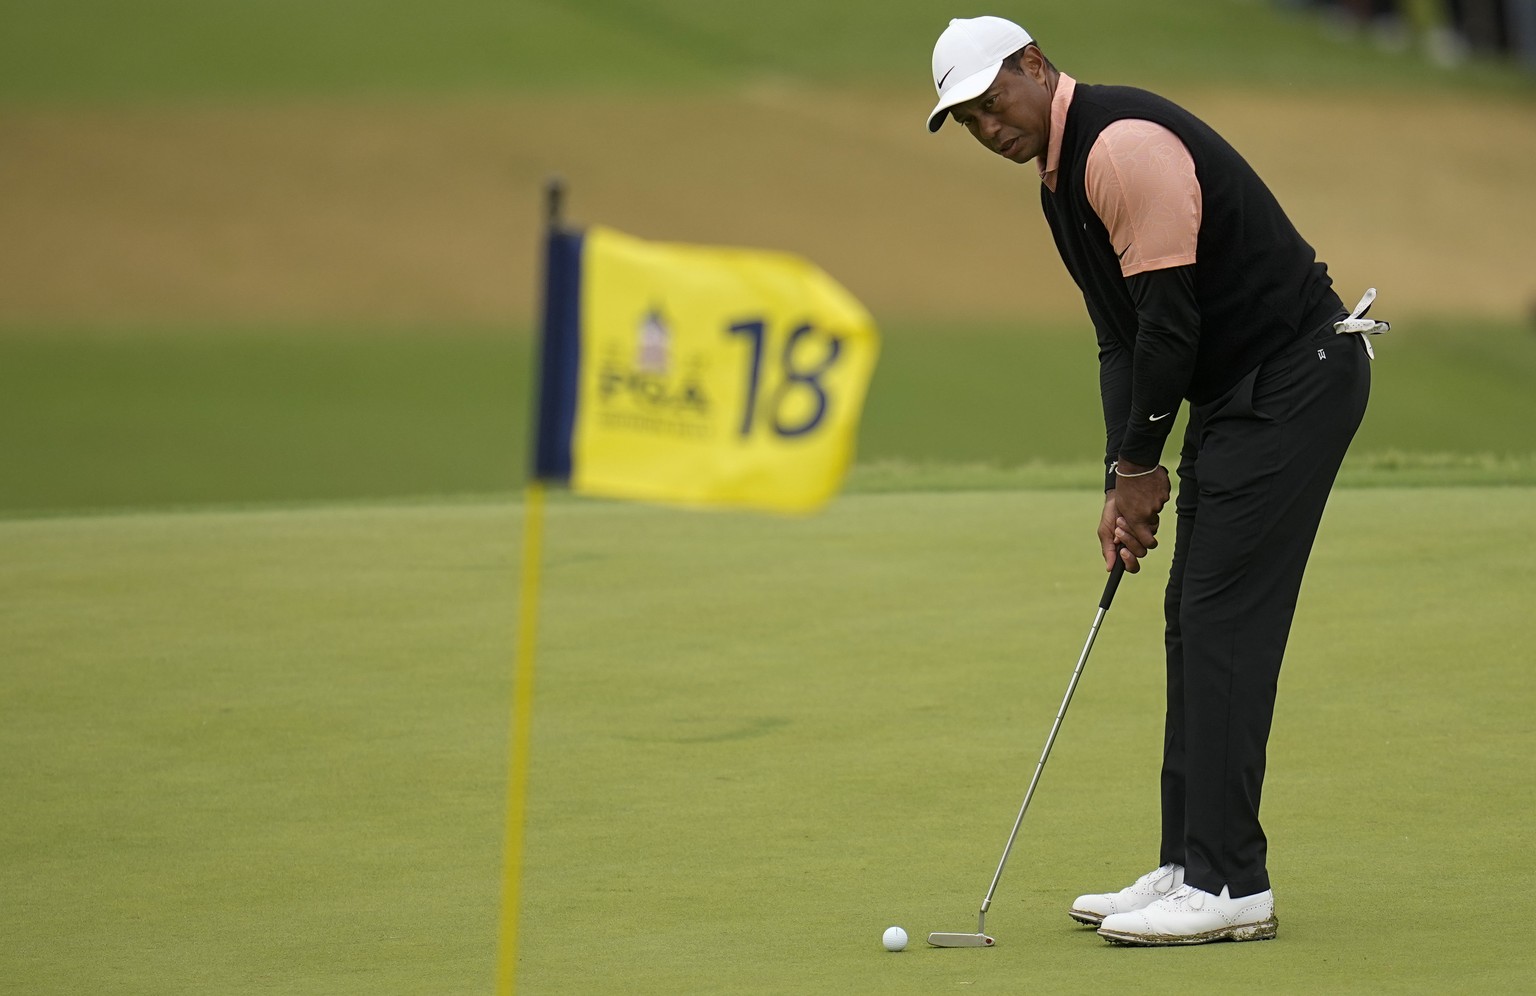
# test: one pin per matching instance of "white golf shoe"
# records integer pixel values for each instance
(1189, 916)
(1154, 885)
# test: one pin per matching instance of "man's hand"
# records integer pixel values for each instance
(1130, 514)
(1107, 536)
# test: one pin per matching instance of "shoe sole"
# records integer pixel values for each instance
(1086, 917)
(1264, 930)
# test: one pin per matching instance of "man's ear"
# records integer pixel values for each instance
(1033, 63)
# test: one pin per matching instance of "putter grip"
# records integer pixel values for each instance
(1115, 575)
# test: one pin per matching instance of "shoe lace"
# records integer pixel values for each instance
(1187, 894)
(1156, 875)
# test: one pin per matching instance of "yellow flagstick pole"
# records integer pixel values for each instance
(519, 738)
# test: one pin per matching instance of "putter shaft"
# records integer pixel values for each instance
(1104, 602)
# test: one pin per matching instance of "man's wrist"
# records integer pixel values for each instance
(1125, 468)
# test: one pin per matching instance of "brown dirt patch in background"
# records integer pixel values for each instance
(430, 212)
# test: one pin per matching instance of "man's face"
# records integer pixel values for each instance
(1012, 117)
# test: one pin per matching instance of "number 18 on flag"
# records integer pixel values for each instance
(698, 375)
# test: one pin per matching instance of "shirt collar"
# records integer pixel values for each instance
(1062, 99)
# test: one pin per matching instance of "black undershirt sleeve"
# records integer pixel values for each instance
(1167, 337)
(1115, 391)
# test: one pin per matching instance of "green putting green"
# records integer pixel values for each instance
(257, 751)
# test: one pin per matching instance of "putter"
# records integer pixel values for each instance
(981, 939)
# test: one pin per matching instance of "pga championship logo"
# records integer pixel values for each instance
(643, 385)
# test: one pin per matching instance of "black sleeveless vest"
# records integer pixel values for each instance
(1258, 283)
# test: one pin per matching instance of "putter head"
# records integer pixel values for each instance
(943, 940)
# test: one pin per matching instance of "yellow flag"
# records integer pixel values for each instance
(700, 375)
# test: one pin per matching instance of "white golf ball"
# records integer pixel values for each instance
(894, 939)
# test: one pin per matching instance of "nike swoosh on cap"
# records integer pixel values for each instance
(945, 76)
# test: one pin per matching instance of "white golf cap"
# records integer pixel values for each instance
(966, 59)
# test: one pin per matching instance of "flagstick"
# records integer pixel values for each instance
(519, 739)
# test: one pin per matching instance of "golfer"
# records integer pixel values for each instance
(1199, 290)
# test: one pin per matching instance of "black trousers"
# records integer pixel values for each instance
(1254, 475)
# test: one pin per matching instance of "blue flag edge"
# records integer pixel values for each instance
(559, 356)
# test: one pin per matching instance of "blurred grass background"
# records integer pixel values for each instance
(104, 51)
(286, 252)
(154, 417)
